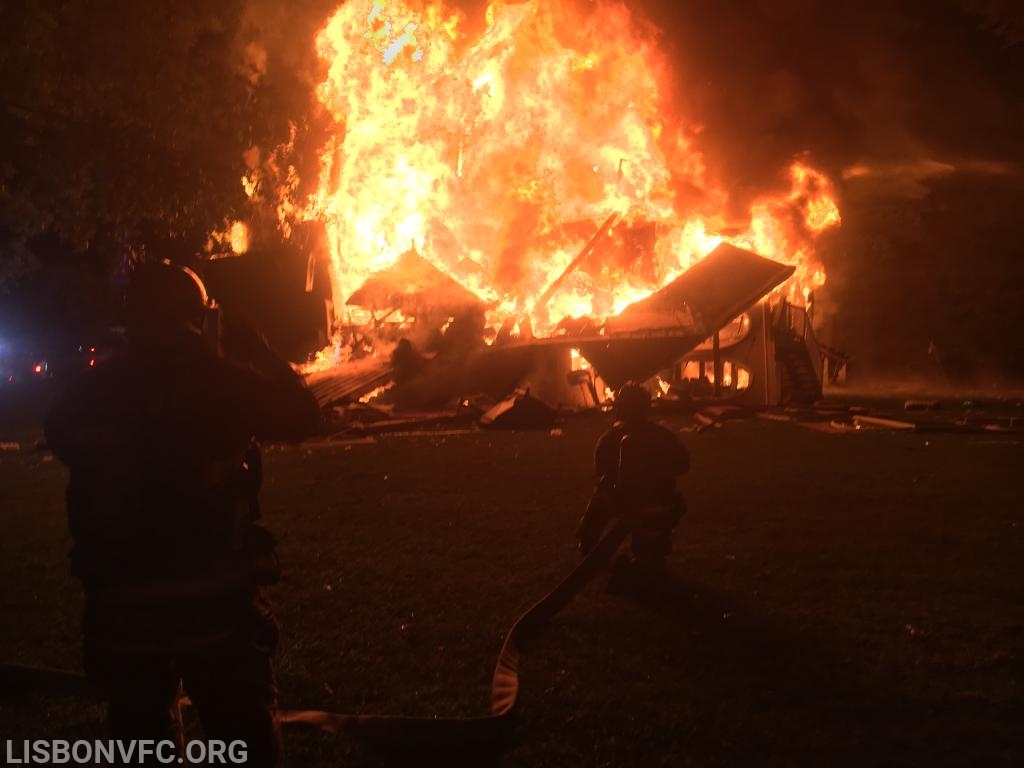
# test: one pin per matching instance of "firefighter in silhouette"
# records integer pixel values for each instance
(161, 505)
(636, 464)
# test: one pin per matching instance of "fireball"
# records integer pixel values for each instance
(496, 155)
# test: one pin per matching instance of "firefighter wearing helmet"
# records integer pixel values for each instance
(161, 505)
(636, 464)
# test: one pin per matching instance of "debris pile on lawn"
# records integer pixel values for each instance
(921, 416)
(520, 411)
(924, 416)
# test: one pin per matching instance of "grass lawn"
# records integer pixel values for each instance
(837, 599)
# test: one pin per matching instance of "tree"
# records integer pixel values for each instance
(127, 122)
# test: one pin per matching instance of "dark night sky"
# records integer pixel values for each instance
(889, 82)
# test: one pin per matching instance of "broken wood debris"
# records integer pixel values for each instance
(880, 423)
(922, 405)
(520, 411)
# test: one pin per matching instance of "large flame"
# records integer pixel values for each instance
(496, 157)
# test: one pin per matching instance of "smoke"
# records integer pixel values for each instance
(914, 109)
(275, 52)
(852, 83)
(913, 179)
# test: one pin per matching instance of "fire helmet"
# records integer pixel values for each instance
(165, 296)
(632, 402)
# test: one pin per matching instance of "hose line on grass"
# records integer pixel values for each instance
(393, 732)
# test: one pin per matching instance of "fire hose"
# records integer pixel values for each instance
(486, 731)
(394, 733)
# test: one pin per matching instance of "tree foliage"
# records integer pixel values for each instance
(125, 121)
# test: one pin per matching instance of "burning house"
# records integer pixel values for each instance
(516, 205)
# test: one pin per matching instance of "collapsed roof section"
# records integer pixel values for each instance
(653, 333)
(705, 297)
(412, 285)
